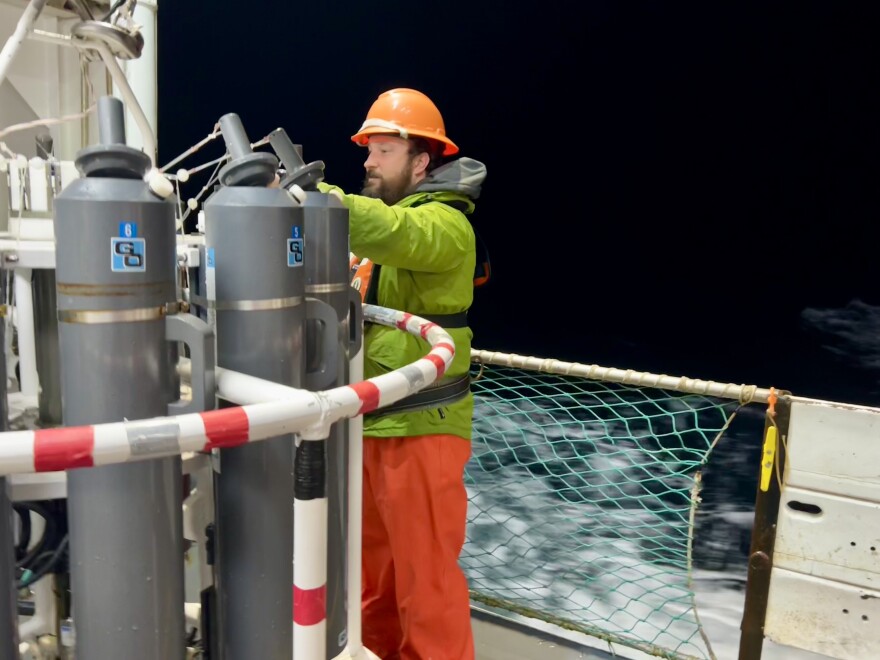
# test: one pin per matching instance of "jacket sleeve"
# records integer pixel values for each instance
(432, 237)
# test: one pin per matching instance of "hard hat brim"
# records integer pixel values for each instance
(362, 137)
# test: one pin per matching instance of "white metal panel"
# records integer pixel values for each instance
(833, 618)
(834, 448)
(29, 254)
(825, 583)
(840, 542)
(38, 486)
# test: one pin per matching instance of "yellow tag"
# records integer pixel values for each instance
(768, 458)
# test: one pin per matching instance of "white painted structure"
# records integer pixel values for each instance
(825, 583)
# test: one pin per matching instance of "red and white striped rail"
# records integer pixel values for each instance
(309, 414)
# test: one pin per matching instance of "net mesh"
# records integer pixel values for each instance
(581, 505)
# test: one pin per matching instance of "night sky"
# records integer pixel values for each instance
(687, 188)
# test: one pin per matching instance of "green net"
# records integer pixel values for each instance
(581, 505)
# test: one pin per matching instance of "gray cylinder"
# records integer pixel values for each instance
(115, 274)
(327, 279)
(256, 290)
(8, 613)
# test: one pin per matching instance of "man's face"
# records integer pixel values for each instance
(389, 167)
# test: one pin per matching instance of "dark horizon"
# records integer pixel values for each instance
(682, 188)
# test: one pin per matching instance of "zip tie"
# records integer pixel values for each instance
(771, 402)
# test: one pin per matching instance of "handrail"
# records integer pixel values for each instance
(307, 413)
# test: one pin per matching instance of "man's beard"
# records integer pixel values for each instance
(389, 191)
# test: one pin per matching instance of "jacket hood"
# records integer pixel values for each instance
(462, 175)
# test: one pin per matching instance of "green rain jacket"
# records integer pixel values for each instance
(427, 252)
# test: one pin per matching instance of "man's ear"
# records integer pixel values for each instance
(420, 163)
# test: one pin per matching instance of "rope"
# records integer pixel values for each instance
(742, 393)
(695, 502)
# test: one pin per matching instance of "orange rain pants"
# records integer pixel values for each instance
(414, 599)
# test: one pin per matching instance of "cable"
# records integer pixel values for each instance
(83, 10)
(30, 577)
(24, 535)
(24, 557)
(44, 122)
(198, 145)
(205, 188)
(116, 5)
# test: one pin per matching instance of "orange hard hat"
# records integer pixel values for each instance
(408, 113)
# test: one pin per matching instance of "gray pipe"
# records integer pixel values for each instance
(234, 135)
(111, 121)
(326, 222)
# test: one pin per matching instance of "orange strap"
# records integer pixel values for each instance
(361, 272)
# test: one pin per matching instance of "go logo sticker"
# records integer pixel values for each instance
(128, 253)
(295, 249)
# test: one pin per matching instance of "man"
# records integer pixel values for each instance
(409, 225)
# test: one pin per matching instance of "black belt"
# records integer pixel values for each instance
(435, 395)
(447, 321)
(457, 320)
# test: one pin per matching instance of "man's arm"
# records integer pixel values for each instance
(432, 237)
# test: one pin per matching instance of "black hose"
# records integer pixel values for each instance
(25, 557)
(24, 535)
(49, 566)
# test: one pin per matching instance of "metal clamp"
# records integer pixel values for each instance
(264, 305)
(138, 315)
